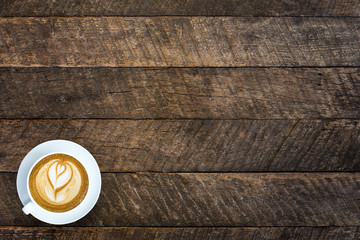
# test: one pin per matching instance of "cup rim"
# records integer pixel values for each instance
(28, 179)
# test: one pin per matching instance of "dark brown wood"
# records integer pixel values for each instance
(265, 233)
(320, 145)
(195, 199)
(18, 8)
(179, 41)
(225, 93)
(155, 145)
(194, 145)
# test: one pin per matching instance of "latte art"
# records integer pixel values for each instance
(59, 175)
(58, 183)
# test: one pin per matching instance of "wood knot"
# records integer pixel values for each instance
(63, 99)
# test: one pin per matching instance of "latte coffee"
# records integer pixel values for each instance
(58, 183)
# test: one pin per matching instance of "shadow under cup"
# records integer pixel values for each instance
(57, 183)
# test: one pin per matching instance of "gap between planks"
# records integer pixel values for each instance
(170, 227)
(182, 8)
(179, 67)
(180, 16)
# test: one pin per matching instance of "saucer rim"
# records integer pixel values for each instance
(28, 162)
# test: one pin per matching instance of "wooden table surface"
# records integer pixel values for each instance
(208, 119)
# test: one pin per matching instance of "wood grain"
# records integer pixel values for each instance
(228, 200)
(194, 145)
(179, 41)
(17, 8)
(211, 199)
(265, 233)
(206, 93)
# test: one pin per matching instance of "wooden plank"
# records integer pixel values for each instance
(206, 93)
(299, 233)
(154, 145)
(194, 145)
(17, 8)
(179, 41)
(324, 146)
(212, 199)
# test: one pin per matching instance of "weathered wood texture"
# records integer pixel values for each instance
(18, 8)
(179, 41)
(194, 145)
(212, 199)
(230, 93)
(265, 233)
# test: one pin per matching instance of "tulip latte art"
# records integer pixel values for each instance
(58, 183)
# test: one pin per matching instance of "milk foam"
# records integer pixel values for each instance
(58, 181)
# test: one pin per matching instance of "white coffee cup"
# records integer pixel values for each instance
(80, 154)
(32, 204)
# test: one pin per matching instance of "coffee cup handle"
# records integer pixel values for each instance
(29, 207)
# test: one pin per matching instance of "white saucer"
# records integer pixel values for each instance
(84, 157)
